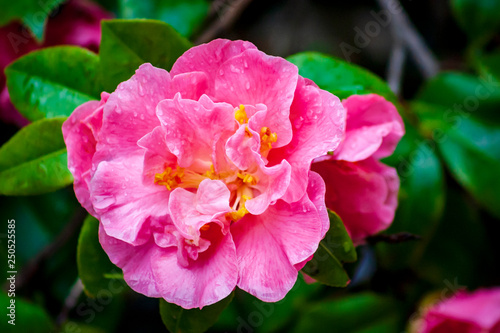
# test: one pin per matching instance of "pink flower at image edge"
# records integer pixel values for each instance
(465, 312)
(201, 178)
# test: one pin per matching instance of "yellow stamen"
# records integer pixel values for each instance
(247, 178)
(240, 115)
(169, 177)
(242, 211)
(211, 173)
(247, 132)
(267, 139)
(205, 227)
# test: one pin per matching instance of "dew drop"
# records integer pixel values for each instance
(247, 85)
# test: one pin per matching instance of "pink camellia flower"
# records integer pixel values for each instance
(200, 177)
(362, 190)
(475, 312)
(78, 22)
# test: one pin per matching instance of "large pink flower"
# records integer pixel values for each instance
(463, 313)
(77, 22)
(362, 190)
(200, 177)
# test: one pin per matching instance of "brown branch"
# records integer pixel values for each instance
(226, 20)
(405, 31)
(396, 238)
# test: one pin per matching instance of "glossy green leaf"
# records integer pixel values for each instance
(127, 44)
(421, 185)
(339, 77)
(52, 82)
(469, 146)
(335, 248)
(477, 17)
(365, 312)
(183, 16)
(462, 95)
(29, 317)
(180, 320)
(34, 160)
(33, 13)
(97, 273)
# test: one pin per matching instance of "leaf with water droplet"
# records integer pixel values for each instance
(52, 82)
(34, 160)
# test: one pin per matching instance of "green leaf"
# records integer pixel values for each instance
(339, 77)
(98, 274)
(422, 185)
(52, 82)
(489, 64)
(365, 312)
(180, 320)
(183, 16)
(33, 13)
(34, 160)
(29, 317)
(477, 17)
(127, 44)
(462, 95)
(469, 145)
(335, 248)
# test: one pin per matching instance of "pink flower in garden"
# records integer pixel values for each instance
(200, 177)
(362, 190)
(76, 23)
(475, 312)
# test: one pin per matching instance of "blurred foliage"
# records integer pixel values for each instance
(448, 163)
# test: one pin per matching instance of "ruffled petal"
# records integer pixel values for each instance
(191, 129)
(157, 156)
(373, 128)
(256, 78)
(124, 204)
(318, 120)
(207, 280)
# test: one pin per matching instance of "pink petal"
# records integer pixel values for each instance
(272, 185)
(363, 194)
(190, 211)
(79, 132)
(318, 120)
(480, 309)
(135, 261)
(125, 205)
(256, 78)
(190, 85)
(157, 156)
(209, 57)
(207, 280)
(191, 129)
(269, 245)
(130, 112)
(373, 128)
(243, 150)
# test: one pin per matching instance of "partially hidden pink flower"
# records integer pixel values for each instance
(201, 177)
(77, 22)
(477, 312)
(361, 189)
